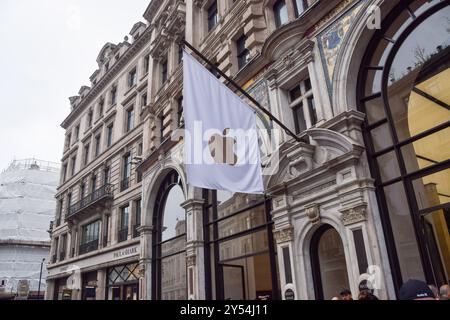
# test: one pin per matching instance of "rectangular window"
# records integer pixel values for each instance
(138, 212)
(97, 145)
(281, 13)
(100, 109)
(86, 154)
(74, 163)
(213, 17)
(68, 140)
(126, 172)
(89, 119)
(82, 190)
(243, 54)
(144, 100)
(124, 216)
(90, 237)
(62, 252)
(107, 175)
(312, 110)
(299, 118)
(69, 201)
(77, 133)
(93, 183)
(109, 135)
(113, 95)
(147, 64)
(64, 172)
(130, 119)
(164, 72)
(132, 78)
(300, 7)
(303, 106)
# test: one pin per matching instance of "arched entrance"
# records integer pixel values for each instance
(328, 263)
(169, 241)
(404, 87)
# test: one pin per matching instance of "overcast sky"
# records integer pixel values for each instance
(48, 51)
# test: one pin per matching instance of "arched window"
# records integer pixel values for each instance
(328, 263)
(404, 90)
(169, 242)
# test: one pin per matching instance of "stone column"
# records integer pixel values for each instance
(50, 291)
(100, 292)
(195, 249)
(145, 262)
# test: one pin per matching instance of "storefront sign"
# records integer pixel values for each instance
(125, 252)
(289, 295)
(78, 266)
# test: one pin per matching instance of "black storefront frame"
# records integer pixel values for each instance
(406, 178)
(121, 283)
(171, 180)
(211, 203)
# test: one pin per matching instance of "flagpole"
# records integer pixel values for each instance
(241, 90)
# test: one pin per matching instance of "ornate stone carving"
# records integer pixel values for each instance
(313, 213)
(284, 235)
(354, 215)
(191, 261)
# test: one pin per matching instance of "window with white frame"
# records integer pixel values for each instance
(303, 106)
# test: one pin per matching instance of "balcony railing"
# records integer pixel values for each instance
(88, 247)
(54, 258)
(62, 256)
(136, 233)
(124, 184)
(104, 192)
(123, 235)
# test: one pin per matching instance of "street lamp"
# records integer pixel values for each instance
(40, 278)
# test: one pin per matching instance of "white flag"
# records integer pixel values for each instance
(221, 141)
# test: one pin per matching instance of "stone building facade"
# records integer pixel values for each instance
(362, 199)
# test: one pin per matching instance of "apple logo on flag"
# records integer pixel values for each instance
(222, 148)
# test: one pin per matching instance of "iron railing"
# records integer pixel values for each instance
(88, 247)
(54, 258)
(62, 256)
(105, 191)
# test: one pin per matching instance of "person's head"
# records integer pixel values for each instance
(346, 294)
(444, 292)
(335, 298)
(416, 290)
(367, 295)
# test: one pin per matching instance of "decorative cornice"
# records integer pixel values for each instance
(354, 214)
(129, 54)
(191, 261)
(284, 235)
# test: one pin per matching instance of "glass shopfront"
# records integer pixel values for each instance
(61, 291)
(123, 282)
(406, 95)
(240, 258)
(169, 242)
(89, 285)
(328, 263)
